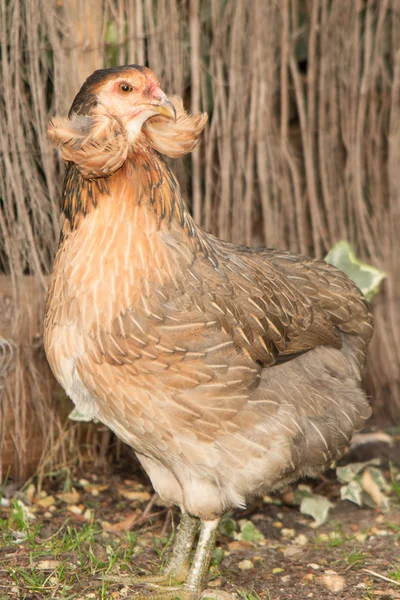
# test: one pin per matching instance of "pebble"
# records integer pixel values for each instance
(75, 509)
(218, 595)
(48, 514)
(215, 583)
(288, 533)
(239, 545)
(301, 540)
(46, 501)
(292, 552)
(285, 579)
(47, 565)
(335, 583)
(88, 514)
(246, 564)
(314, 566)
(30, 492)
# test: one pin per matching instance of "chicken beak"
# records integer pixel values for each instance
(166, 108)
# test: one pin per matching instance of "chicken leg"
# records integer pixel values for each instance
(179, 564)
(192, 586)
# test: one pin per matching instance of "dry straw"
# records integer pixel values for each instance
(303, 149)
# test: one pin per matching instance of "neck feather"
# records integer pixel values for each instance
(144, 179)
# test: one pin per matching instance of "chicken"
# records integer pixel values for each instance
(230, 371)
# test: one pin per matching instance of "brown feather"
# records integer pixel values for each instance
(175, 138)
(96, 143)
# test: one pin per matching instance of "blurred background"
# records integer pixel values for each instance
(302, 150)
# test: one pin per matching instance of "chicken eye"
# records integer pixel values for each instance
(125, 88)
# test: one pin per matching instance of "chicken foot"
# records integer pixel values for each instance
(193, 585)
(179, 564)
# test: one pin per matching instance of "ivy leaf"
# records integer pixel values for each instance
(365, 276)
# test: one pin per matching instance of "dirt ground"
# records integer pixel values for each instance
(81, 530)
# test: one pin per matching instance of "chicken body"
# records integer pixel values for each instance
(229, 371)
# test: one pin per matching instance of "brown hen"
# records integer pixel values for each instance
(229, 371)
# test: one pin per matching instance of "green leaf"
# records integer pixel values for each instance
(349, 472)
(317, 507)
(249, 532)
(352, 492)
(365, 276)
(217, 556)
(227, 527)
(378, 477)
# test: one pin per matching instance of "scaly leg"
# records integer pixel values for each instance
(191, 589)
(178, 566)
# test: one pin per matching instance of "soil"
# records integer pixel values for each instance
(347, 557)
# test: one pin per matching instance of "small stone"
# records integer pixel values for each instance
(239, 545)
(217, 595)
(285, 579)
(215, 583)
(314, 566)
(15, 590)
(292, 552)
(88, 514)
(74, 509)
(46, 501)
(277, 524)
(134, 496)
(48, 514)
(52, 508)
(362, 586)
(334, 583)
(301, 540)
(373, 530)
(30, 492)
(246, 564)
(361, 537)
(71, 497)
(48, 565)
(288, 533)
(267, 499)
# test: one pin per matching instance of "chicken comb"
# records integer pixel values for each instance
(97, 144)
(175, 138)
